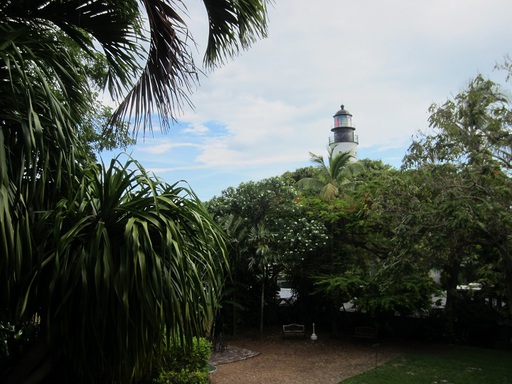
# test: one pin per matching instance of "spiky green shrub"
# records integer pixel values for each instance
(181, 366)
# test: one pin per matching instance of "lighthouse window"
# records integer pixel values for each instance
(342, 121)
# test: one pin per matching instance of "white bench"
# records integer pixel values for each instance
(366, 332)
(294, 330)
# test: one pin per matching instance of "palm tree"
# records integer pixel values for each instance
(333, 176)
(333, 180)
(129, 250)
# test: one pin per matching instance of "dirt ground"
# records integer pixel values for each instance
(299, 361)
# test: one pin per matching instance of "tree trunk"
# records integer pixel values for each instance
(262, 306)
(507, 261)
(452, 278)
(235, 315)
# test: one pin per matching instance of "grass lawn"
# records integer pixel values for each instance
(455, 365)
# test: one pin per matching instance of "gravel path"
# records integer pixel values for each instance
(298, 361)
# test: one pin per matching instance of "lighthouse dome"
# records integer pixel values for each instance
(342, 112)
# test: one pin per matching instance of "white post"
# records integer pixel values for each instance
(313, 335)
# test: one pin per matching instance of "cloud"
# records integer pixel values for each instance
(157, 147)
(198, 129)
(162, 170)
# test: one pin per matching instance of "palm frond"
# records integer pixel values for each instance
(311, 183)
(338, 163)
(234, 25)
(38, 144)
(169, 73)
(329, 192)
(338, 172)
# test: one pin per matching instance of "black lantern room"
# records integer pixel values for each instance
(343, 129)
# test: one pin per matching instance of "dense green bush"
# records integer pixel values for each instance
(185, 367)
(184, 376)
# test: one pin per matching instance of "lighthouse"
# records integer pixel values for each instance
(345, 139)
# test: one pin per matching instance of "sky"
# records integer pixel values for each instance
(263, 112)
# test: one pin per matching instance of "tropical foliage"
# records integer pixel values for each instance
(404, 243)
(471, 148)
(190, 367)
(101, 259)
(270, 235)
(122, 235)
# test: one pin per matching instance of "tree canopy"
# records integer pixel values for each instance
(471, 145)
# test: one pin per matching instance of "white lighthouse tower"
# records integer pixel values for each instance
(345, 139)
